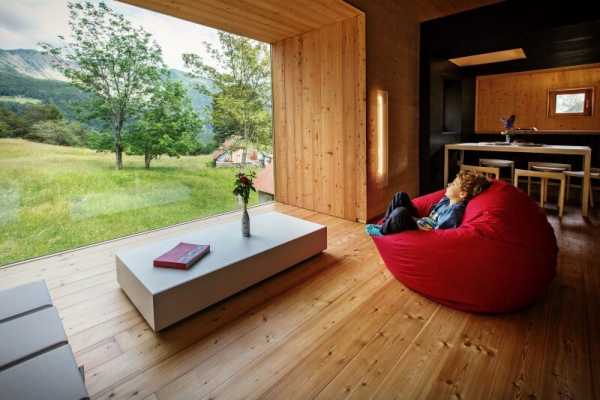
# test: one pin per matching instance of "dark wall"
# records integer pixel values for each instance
(560, 38)
(392, 52)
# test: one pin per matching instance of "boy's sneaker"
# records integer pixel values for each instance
(373, 230)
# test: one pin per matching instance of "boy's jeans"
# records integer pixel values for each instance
(399, 215)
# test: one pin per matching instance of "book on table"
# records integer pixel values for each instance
(182, 256)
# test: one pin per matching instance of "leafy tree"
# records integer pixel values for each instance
(200, 147)
(20, 123)
(100, 141)
(35, 113)
(11, 125)
(60, 132)
(168, 125)
(4, 129)
(108, 57)
(240, 90)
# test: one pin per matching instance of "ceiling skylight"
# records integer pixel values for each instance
(488, 58)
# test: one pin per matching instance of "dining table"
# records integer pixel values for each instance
(533, 148)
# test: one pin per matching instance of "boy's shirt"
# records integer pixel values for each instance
(444, 215)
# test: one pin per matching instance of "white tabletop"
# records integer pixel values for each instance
(500, 146)
(227, 246)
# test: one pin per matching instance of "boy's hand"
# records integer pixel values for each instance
(425, 227)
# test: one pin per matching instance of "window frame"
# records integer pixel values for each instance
(588, 105)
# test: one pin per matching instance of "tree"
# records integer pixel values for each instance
(108, 57)
(100, 141)
(35, 113)
(20, 123)
(240, 90)
(5, 129)
(11, 125)
(168, 125)
(60, 132)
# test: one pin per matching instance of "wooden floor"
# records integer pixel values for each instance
(336, 326)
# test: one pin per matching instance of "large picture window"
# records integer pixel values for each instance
(142, 127)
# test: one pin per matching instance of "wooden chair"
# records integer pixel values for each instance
(487, 171)
(544, 177)
(545, 167)
(498, 163)
(594, 174)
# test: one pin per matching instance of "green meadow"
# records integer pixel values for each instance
(54, 198)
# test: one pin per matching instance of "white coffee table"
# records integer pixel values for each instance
(164, 296)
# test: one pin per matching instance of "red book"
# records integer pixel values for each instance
(182, 256)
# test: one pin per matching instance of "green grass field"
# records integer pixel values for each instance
(55, 198)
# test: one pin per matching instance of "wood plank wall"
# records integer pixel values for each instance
(319, 119)
(525, 94)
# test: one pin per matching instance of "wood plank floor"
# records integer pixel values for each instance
(336, 326)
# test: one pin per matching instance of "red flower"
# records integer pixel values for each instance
(245, 181)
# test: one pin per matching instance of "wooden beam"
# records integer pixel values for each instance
(265, 20)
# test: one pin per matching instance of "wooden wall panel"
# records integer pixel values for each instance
(525, 94)
(319, 119)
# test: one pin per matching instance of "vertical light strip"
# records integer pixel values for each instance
(382, 137)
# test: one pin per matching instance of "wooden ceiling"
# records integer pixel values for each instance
(265, 20)
(432, 9)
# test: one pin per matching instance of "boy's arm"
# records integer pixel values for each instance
(454, 219)
(425, 203)
(424, 224)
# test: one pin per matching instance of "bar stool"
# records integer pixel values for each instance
(544, 177)
(545, 167)
(487, 171)
(498, 163)
(594, 174)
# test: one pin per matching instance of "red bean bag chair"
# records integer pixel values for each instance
(501, 258)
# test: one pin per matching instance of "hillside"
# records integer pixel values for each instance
(199, 101)
(29, 63)
(29, 73)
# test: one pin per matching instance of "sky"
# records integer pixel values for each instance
(25, 23)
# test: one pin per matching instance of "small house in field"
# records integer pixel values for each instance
(229, 154)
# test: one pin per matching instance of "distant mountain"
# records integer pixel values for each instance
(29, 63)
(199, 101)
(29, 73)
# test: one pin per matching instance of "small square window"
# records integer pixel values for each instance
(570, 102)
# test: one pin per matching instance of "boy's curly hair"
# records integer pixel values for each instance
(472, 183)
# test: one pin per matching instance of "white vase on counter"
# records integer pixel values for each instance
(245, 221)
